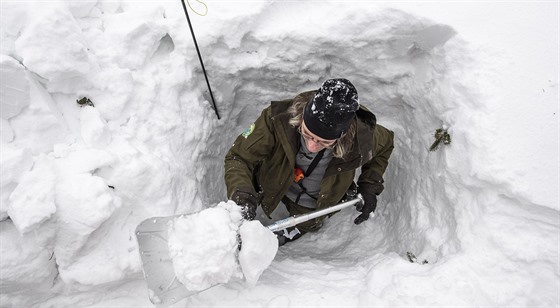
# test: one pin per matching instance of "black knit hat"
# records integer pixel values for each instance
(330, 112)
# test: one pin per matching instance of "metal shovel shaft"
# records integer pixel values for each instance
(294, 220)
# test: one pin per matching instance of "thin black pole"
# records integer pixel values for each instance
(200, 58)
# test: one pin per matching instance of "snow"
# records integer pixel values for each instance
(33, 200)
(15, 162)
(483, 212)
(203, 246)
(94, 128)
(259, 247)
(16, 88)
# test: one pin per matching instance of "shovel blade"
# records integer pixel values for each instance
(164, 287)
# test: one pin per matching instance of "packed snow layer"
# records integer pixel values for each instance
(483, 212)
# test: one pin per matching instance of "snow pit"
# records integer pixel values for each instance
(483, 212)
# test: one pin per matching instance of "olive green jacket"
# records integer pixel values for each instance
(262, 159)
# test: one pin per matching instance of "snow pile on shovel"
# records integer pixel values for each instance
(204, 247)
(258, 250)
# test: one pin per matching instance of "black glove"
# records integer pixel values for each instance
(248, 202)
(368, 207)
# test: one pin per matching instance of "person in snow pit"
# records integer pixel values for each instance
(304, 152)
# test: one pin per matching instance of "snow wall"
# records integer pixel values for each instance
(77, 180)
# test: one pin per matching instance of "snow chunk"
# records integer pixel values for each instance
(84, 202)
(259, 247)
(114, 90)
(14, 163)
(81, 8)
(41, 124)
(58, 35)
(203, 246)
(94, 129)
(98, 266)
(23, 262)
(137, 39)
(14, 90)
(6, 131)
(32, 201)
(13, 17)
(82, 161)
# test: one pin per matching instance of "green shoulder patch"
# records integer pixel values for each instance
(248, 131)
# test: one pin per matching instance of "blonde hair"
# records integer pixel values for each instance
(342, 146)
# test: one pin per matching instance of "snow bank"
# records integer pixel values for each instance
(80, 179)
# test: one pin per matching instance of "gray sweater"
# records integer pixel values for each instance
(311, 183)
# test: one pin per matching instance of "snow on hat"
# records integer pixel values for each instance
(330, 112)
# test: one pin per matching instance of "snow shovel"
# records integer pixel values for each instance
(152, 234)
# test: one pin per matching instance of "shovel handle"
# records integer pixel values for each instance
(297, 219)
